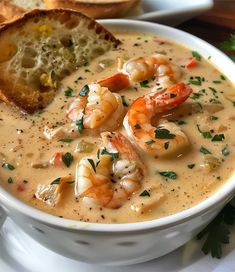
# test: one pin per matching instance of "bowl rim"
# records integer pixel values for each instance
(215, 201)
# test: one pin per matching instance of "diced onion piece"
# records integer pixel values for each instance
(210, 163)
(84, 147)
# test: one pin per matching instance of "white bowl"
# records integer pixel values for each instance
(119, 244)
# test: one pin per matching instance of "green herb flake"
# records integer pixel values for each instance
(66, 140)
(205, 151)
(163, 133)
(137, 126)
(68, 92)
(222, 77)
(218, 138)
(168, 174)
(124, 102)
(56, 181)
(79, 124)
(181, 122)
(196, 81)
(225, 151)
(230, 44)
(87, 71)
(98, 154)
(84, 91)
(172, 95)
(92, 164)
(150, 142)
(8, 166)
(216, 81)
(217, 232)
(114, 156)
(10, 180)
(205, 134)
(196, 55)
(214, 101)
(67, 159)
(145, 193)
(166, 145)
(144, 84)
(191, 166)
(213, 118)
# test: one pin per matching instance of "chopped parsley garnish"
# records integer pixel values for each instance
(10, 180)
(84, 91)
(66, 140)
(216, 81)
(150, 142)
(218, 138)
(145, 193)
(98, 154)
(196, 96)
(68, 92)
(196, 55)
(168, 174)
(8, 166)
(214, 92)
(56, 181)
(191, 166)
(217, 232)
(205, 151)
(137, 126)
(205, 134)
(233, 103)
(222, 77)
(230, 44)
(163, 133)
(214, 101)
(92, 164)
(181, 122)
(225, 151)
(87, 71)
(144, 84)
(214, 117)
(172, 95)
(125, 104)
(67, 159)
(196, 81)
(113, 155)
(79, 124)
(166, 145)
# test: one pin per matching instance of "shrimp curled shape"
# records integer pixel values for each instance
(98, 109)
(167, 137)
(110, 178)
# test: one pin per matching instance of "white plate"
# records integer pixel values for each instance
(20, 253)
(170, 12)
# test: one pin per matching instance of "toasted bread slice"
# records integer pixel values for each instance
(10, 11)
(41, 48)
(2, 18)
(96, 8)
(28, 4)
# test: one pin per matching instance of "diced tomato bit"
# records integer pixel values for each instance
(192, 63)
(57, 159)
(21, 187)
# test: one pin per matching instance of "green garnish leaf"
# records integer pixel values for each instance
(98, 154)
(196, 81)
(68, 92)
(214, 117)
(181, 122)
(87, 71)
(217, 232)
(196, 55)
(84, 91)
(214, 101)
(66, 140)
(10, 180)
(125, 104)
(79, 124)
(150, 142)
(67, 159)
(8, 166)
(166, 145)
(205, 134)
(56, 181)
(169, 174)
(216, 81)
(137, 126)
(196, 96)
(225, 151)
(92, 164)
(230, 44)
(163, 133)
(172, 95)
(205, 151)
(114, 156)
(191, 166)
(144, 84)
(222, 77)
(218, 138)
(145, 193)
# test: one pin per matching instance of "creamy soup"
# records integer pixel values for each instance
(167, 184)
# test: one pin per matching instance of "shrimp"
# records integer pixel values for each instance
(110, 178)
(144, 68)
(167, 137)
(94, 109)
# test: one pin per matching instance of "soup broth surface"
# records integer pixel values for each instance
(170, 184)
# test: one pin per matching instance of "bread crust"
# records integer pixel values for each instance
(25, 97)
(95, 10)
(10, 11)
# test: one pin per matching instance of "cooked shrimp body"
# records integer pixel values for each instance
(167, 137)
(96, 107)
(158, 65)
(110, 178)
